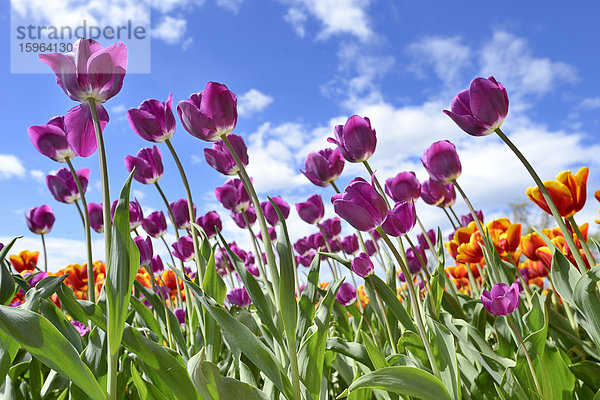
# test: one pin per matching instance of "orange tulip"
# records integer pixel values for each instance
(25, 261)
(530, 243)
(568, 192)
(465, 246)
(362, 295)
(506, 238)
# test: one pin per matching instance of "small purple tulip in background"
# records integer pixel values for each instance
(362, 265)
(502, 300)
(356, 139)
(40, 219)
(324, 166)
(238, 297)
(346, 295)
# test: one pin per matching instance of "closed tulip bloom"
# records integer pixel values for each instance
(40, 219)
(180, 314)
(370, 247)
(502, 300)
(403, 187)
(317, 241)
(303, 246)
(210, 114)
(350, 244)
(155, 224)
(220, 159)
(362, 265)
(346, 295)
(63, 186)
(136, 215)
(148, 165)
(332, 227)
(401, 219)
(450, 196)
(96, 217)
(238, 297)
(481, 109)
(157, 265)
(324, 166)
(441, 161)
(312, 210)
(146, 250)
(238, 218)
(423, 241)
(183, 248)
(433, 192)
(210, 223)
(467, 218)
(153, 120)
(272, 234)
(356, 139)
(233, 195)
(181, 213)
(360, 205)
(269, 210)
(51, 140)
(568, 192)
(333, 245)
(412, 259)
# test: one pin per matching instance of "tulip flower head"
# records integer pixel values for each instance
(210, 114)
(423, 241)
(136, 215)
(155, 224)
(370, 247)
(346, 295)
(51, 140)
(449, 197)
(356, 139)
(148, 165)
(233, 195)
(63, 186)
(157, 265)
(362, 265)
(40, 219)
(96, 217)
(350, 244)
(180, 314)
(481, 109)
(468, 218)
(324, 166)
(502, 300)
(403, 187)
(153, 120)
(269, 210)
(220, 159)
(401, 219)
(146, 250)
(312, 210)
(80, 327)
(332, 227)
(238, 297)
(239, 217)
(412, 259)
(183, 248)
(441, 161)
(210, 223)
(433, 192)
(568, 192)
(181, 213)
(360, 205)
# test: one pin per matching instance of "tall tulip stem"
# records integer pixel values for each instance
(45, 253)
(584, 245)
(263, 273)
(527, 356)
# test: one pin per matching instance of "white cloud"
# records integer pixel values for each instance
(11, 167)
(337, 17)
(231, 5)
(447, 56)
(591, 103)
(38, 175)
(253, 101)
(166, 6)
(170, 29)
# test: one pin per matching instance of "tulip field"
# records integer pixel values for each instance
(391, 309)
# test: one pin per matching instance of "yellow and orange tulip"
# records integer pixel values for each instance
(568, 192)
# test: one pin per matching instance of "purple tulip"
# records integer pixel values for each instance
(233, 196)
(312, 210)
(362, 265)
(136, 215)
(401, 219)
(302, 246)
(238, 297)
(433, 192)
(80, 128)
(155, 224)
(502, 300)
(153, 120)
(332, 227)
(210, 114)
(36, 277)
(157, 265)
(183, 248)
(51, 140)
(324, 166)
(317, 241)
(370, 247)
(360, 205)
(146, 250)
(220, 159)
(148, 165)
(63, 186)
(80, 327)
(269, 210)
(253, 270)
(40, 219)
(305, 261)
(468, 218)
(449, 197)
(180, 314)
(356, 139)
(412, 259)
(346, 295)
(181, 213)
(423, 241)
(272, 234)
(239, 217)
(403, 187)
(96, 216)
(441, 161)
(333, 246)
(350, 244)
(481, 109)
(210, 223)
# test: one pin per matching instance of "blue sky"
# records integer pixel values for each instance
(299, 67)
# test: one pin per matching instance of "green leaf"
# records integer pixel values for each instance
(40, 338)
(308, 298)
(402, 380)
(148, 317)
(587, 299)
(588, 371)
(213, 286)
(391, 300)
(146, 390)
(44, 289)
(444, 354)
(58, 319)
(121, 270)
(7, 283)
(353, 350)
(376, 355)
(564, 276)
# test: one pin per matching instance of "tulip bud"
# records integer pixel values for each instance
(350, 244)
(401, 219)
(423, 241)
(356, 139)
(323, 166)
(148, 165)
(180, 314)
(270, 213)
(210, 223)
(233, 195)
(184, 248)
(153, 120)
(412, 259)
(403, 187)
(136, 215)
(370, 247)
(181, 213)
(239, 217)
(40, 219)
(332, 227)
(441, 161)
(346, 295)
(433, 192)
(96, 217)
(157, 265)
(360, 205)
(155, 224)
(220, 159)
(502, 300)
(51, 140)
(63, 186)
(362, 265)
(450, 196)
(146, 250)
(312, 210)
(238, 297)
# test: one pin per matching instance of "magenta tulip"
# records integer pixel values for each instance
(468, 218)
(155, 224)
(233, 196)
(51, 140)
(239, 217)
(220, 159)
(302, 246)
(360, 205)
(40, 219)
(312, 210)
(180, 314)
(423, 241)
(433, 192)
(401, 219)
(317, 241)
(181, 213)
(412, 259)
(449, 197)
(157, 265)
(183, 249)
(323, 166)
(210, 223)
(148, 165)
(502, 300)
(356, 139)
(370, 247)
(270, 213)
(403, 187)
(136, 215)
(96, 217)
(442, 162)
(346, 295)
(80, 328)
(238, 297)
(332, 227)
(146, 250)
(272, 234)
(63, 186)
(482, 108)
(153, 120)
(210, 114)
(350, 244)
(362, 265)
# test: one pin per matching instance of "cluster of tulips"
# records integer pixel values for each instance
(215, 321)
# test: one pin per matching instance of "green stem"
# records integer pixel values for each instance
(387, 323)
(379, 188)
(260, 217)
(535, 380)
(549, 202)
(80, 213)
(88, 234)
(450, 218)
(334, 186)
(45, 253)
(261, 266)
(455, 216)
(334, 270)
(414, 300)
(584, 245)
